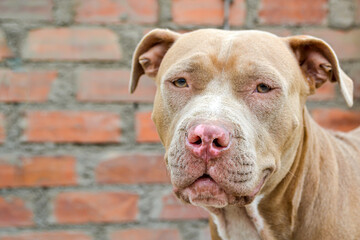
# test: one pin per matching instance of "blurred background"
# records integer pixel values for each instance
(79, 157)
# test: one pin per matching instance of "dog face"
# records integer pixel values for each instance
(229, 107)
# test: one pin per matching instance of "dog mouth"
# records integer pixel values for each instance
(206, 192)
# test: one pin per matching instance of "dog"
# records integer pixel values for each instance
(230, 111)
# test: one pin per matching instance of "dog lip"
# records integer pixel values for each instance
(204, 176)
(205, 191)
(260, 185)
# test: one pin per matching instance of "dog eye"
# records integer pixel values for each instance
(263, 88)
(180, 83)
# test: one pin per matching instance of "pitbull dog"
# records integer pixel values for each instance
(230, 112)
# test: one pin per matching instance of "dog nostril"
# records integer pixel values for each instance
(195, 140)
(198, 142)
(216, 143)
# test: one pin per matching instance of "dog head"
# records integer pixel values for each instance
(229, 106)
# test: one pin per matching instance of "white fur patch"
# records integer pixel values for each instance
(253, 211)
(220, 224)
(235, 224)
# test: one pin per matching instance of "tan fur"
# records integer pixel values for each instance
(311, 187)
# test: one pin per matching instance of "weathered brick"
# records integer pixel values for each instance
(72, 44)
(198, 12)
(2, 129)
(237, 13)
(325, 92)
(346, 44)
(39, 171)
(85, 207)
(145, 128)
(56, 235)
(110, 85)
(5, 51)
(26, 10)
(7, 174)
(146, 234)
(71, 126)
(206, 12)
(28, 86)
(173, 209)
(286, 12)
(116, 11)
(14, 213)
(135, 168)
(337, 119)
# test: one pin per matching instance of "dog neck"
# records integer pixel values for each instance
(249, 222)
(280, 207)
(236, 223)
(290, 206)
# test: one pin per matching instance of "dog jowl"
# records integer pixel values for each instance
(230, 112)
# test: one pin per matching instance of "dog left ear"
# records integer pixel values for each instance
(149, 54)
(319, 63)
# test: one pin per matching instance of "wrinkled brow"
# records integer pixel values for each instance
(187, 65)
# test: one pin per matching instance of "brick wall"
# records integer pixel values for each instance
(79, 156)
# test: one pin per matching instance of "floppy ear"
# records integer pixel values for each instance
(319, 63)
(149, 54)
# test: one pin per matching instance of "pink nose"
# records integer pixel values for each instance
(207, 141)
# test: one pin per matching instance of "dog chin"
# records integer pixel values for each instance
(205, 192)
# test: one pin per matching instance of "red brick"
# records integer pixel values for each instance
(116, 11)
(71, 126)
(8, 174)
(237, 13)
(146, 234)
(58, 235)
(72, 44)
(39, 171)
(2, 129)
(29, 86)
(14, 213)
(85, 207)
(325, 92)
(5, 51)
(346, 44)
(286, 12)
(337, 119)
(110, 85)
(173, 209)
(26, 10)
(130, 169)
(145, 128)
(206, 12)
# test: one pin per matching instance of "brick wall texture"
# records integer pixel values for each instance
(80, 158)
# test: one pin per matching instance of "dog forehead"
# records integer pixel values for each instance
(226, 48)
(218, 41)
(237, 53)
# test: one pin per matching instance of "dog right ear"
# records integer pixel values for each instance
(149, 54)
(319, 64)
